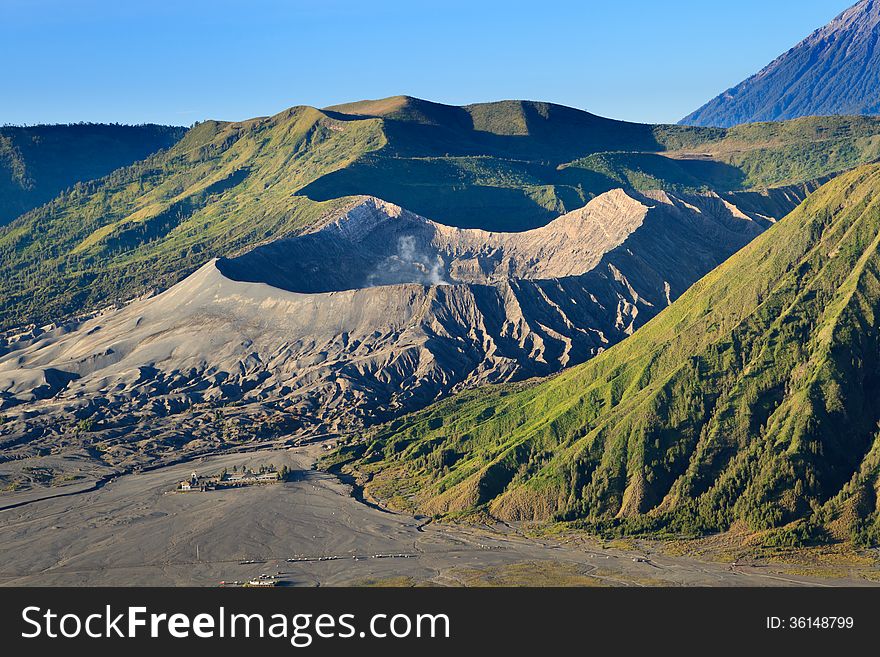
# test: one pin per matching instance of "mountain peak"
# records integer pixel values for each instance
(835, 70)
(857, 23)
(378, 107)
(864, 15)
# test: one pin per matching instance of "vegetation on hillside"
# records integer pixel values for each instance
(224, 187)
(750, 401)
(39, 162)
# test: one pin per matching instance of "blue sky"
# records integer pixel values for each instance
(179, 62)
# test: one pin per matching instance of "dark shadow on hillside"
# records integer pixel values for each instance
(459, 205)
(644, 171)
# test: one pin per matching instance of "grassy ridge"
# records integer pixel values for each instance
(751, 400)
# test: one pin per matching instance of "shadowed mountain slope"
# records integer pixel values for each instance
(39, 162)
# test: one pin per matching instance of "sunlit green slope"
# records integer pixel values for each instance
(751, 400)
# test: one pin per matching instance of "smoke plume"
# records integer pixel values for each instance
(409, 265)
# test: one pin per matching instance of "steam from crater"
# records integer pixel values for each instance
(409, 265)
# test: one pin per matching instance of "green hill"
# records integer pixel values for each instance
(515, 129)
(39, 162)
(750, 402)
(226, 187)
(223, 187)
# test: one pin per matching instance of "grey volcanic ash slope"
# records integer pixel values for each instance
(835, 70)
(378, 312)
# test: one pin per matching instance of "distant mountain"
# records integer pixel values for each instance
(378, 313)
(39, 162)
(835, 70)
(751, 402)
(508, 166)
